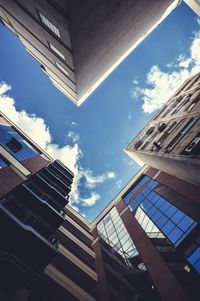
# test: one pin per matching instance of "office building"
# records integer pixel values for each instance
(171, 140)
(144, 245)
(79, 43)
(153, 224)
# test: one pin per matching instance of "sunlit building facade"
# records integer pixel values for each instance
(171, 140)
(79, 43)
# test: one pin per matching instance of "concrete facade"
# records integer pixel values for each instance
(170, 141)
(85, 50)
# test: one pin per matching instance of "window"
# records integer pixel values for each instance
(55, 50)
(193, 254)
(112, 230)
(181, 134)
(49, 24)
(128, 197)
(182, 104)
(15, 144)
(173, 104)
(159, 218)
(62, 69)
(3, 162)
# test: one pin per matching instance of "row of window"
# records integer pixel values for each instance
(157, 144)
(55, 31)
(160, 219)
(112, 230)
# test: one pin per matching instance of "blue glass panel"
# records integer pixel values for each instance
(146, 191)
(2, 164)
(146, 205)
(186, 223)
(195, 256)
(152, 184)
(145, 179)
(170, 211)
(152, 211)
(26, 151)
(175, 235)
(165, 206)
(159, 202)
(197, 266)
(156, 216)
(177, 217)
(162, 221)
(168, 227)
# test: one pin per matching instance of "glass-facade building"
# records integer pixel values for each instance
(159, 218)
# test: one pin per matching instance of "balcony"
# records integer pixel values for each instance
(44, 196)
(35, 203)
(25, 235)
(50, 188)
(60, 182)
(60, 174)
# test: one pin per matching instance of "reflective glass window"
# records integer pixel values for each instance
(172, 222)
(15, 144)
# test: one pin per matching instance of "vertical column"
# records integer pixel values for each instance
(102, 284)
(189, 190)
(166, 283)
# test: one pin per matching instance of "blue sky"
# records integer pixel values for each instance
(91, 138)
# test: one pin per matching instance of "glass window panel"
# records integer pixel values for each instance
(49, 24)
(170, 211)
(152, 211)
(168, 227)
(152, 184)
(146, 205)
(165, 206)
(9, 137)
(177, 217)
(162, 221)
(197, 265)
(145, 191)
(156, 215)
(159, 202)
(149, 226)
(145, 221)
(186, 223)
(195, 256)
(175, 235)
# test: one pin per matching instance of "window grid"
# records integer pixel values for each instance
(193, 254)
(113, 231)
(49, 24)
(181, 134)
(173, 223)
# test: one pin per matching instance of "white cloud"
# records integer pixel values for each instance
(129, 117)
(162, 84)
(92, 181)
(73, 136)
(135, 82)
(198, 21)
(91, 200)
(70, 155)
(74, 123)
